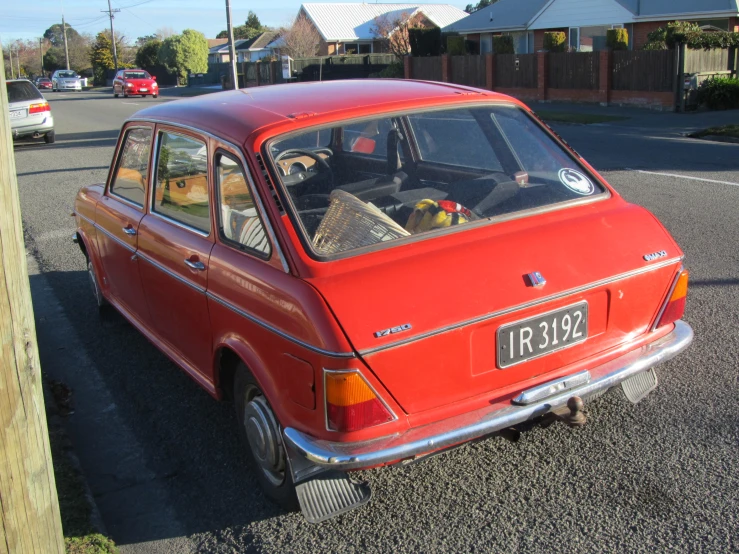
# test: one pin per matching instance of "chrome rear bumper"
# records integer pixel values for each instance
(465, 427)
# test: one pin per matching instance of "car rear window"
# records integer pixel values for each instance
(395, 176)
(21, 91)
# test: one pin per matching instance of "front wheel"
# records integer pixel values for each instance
(262, 434)
(154, 95)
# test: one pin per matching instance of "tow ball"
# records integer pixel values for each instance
(572, 416)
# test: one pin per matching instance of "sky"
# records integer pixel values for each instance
(29, 19)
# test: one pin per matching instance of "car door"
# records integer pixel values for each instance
(175, 241)
(118, 215)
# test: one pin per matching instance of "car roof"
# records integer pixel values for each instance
(236, 114)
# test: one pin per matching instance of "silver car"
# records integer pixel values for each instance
(65, 79)
(30, 113)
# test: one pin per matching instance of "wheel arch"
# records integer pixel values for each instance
(231, 351)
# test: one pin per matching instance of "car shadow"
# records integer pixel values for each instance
(189, 440)
(72, 140)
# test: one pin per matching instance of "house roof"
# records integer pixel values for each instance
(259, 42)
(342, 22)
(503, 15)
(216, 42)
(653, 8)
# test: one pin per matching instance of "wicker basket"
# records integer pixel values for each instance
(350, 223)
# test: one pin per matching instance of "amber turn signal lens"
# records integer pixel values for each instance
(351, 404)
(676, 303)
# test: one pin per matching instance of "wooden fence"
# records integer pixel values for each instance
(516, 70)
(468, 70)
(579, 70)
(644, 70)
(710, 61)
(427, 69)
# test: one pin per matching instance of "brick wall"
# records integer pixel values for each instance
(642, 29)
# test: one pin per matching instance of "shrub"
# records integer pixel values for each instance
(719, 93)
(555, 42)
(617, 39)
(393, 71)
(455, 46)
(425, 42)
(503, 44)
(471, 47)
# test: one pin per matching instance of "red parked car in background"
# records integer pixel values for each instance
(131, 82)
(377, 270)
(43, 83)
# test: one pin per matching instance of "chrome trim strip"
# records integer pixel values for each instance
(238, 149)
(90, 221)
(169, 272)
(552, 387)
(491, 419)
(325, 400)
(523, 306)
(131, 203)
(115, 238)
(269, 327)
(179, 224)
(667, 298)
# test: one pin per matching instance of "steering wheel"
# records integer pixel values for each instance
(320, 162)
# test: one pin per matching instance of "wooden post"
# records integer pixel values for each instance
(256, 72)
(680, 77)
(542, 84)
(490, 71)
(605, 76)
(29, 508)
(408, 67)
(446, 68)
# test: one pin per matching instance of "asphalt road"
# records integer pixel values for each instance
(167, 472)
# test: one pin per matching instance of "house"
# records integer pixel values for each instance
(586, 21)
(247, 50)
(254, 49)
(348, 28)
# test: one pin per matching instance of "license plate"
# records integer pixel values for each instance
(144, 89)
(542, 334)
(17, 114)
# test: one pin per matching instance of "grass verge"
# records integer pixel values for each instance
(581, 118)
(80, 535)
(723, 131)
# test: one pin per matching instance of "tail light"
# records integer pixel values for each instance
(351, 404)
(675, 306)
(39, 108)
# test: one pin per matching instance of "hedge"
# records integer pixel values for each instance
(455, 46)
(617, 39)
(503, 44)
(425, 42)
(719, 93)
(555, 41)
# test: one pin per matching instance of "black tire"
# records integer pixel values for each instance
(252, 409)
(50, 137)
(125, 94)
(115, 94)
(154, 95)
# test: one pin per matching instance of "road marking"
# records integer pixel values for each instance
(684, 177)
(132, 103)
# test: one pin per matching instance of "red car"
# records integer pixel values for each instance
(43, 82)
(129, 82)
(374, 271)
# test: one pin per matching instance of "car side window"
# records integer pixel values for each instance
(129, 181)
(240, 223)
(181, 191)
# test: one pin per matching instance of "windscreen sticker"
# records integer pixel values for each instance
(576, 182)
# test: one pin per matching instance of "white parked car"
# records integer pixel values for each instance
(30, 113)
(65, 79)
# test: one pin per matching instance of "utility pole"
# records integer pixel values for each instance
(30, 521)
(110, 13)
(66, 49)
(10, 56)
(41, 53)
(231, 47)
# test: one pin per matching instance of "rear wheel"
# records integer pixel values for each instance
(262, 434)
(115, 94)
(49, 137)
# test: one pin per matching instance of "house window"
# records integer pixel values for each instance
(574, 38)
(486, 44)
(357, 48)
(523, 43)
(714, 24)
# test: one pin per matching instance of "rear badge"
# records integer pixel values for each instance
(655, 255)
(392, 330)
(536, 279)
(576, 182)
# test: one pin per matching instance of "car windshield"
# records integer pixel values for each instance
(68, 74)
(360, 183)
(44, 80)
(21, 91)
(136, 75)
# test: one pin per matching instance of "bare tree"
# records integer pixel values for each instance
(392, 32)
(301, 39)
(164, 32)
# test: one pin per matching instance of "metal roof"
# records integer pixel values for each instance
(650, 8)
(342, 22)
(503, 15)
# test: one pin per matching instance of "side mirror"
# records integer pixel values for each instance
(154, 77)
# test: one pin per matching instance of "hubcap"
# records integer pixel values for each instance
(265, 442)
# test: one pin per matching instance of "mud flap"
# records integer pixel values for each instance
(329, 494)
(638, 386)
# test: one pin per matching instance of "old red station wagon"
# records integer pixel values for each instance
(374, 271)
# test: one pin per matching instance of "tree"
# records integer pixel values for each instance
(78, 46)
(472, 8)
(185, 53)
(55, 36)
(251, 29)
(148, 54)
(101, 57)
(393, 33)
(301, 39)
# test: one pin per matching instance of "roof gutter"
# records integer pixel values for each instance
(488, 30)
(691, 15)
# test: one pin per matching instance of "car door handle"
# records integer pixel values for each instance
(200, 266)
(129, 231)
